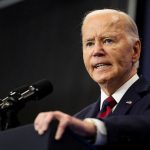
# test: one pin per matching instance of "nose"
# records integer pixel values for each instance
(98, 50)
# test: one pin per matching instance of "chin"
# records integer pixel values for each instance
(101, 81)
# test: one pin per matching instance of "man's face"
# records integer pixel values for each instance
(108, 55)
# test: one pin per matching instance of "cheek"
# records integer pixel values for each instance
(122, 56)
(124, 62)
(86, 60)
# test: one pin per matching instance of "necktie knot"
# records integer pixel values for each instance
(107, 106)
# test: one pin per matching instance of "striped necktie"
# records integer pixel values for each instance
(107, 106)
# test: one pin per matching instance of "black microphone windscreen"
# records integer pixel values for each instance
(43, 88)
(36, 91)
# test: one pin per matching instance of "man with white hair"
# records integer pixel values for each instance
(111, 51)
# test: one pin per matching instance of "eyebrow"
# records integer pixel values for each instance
(88, 40)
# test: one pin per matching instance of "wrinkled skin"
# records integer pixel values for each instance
(108, 53)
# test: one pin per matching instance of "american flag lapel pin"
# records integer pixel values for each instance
(129, 102)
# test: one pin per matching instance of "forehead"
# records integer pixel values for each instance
(102, 23)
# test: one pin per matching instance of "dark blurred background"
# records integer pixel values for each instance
(41, 39)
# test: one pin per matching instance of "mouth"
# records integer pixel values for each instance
(101, 66)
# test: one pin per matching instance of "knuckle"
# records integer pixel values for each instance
(57, 112)
(41, 114)
(67, 119)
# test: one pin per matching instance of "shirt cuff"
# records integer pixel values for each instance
(101, 133)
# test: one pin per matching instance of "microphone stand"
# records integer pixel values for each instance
(9, 110)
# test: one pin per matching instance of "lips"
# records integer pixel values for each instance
(101, 65)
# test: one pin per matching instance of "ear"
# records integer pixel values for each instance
(136, 51)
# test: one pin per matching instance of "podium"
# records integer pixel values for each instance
(26, 138)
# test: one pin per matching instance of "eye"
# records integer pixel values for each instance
(107, 41)
(89, 44)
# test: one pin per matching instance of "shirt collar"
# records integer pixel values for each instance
(121, 91)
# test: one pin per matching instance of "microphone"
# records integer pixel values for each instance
(36, 91)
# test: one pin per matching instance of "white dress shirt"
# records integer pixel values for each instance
(101, 137)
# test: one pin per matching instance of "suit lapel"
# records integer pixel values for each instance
(132, 96)
(94, 110)
(90, 111)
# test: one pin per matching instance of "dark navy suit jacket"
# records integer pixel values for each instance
(129, 124)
